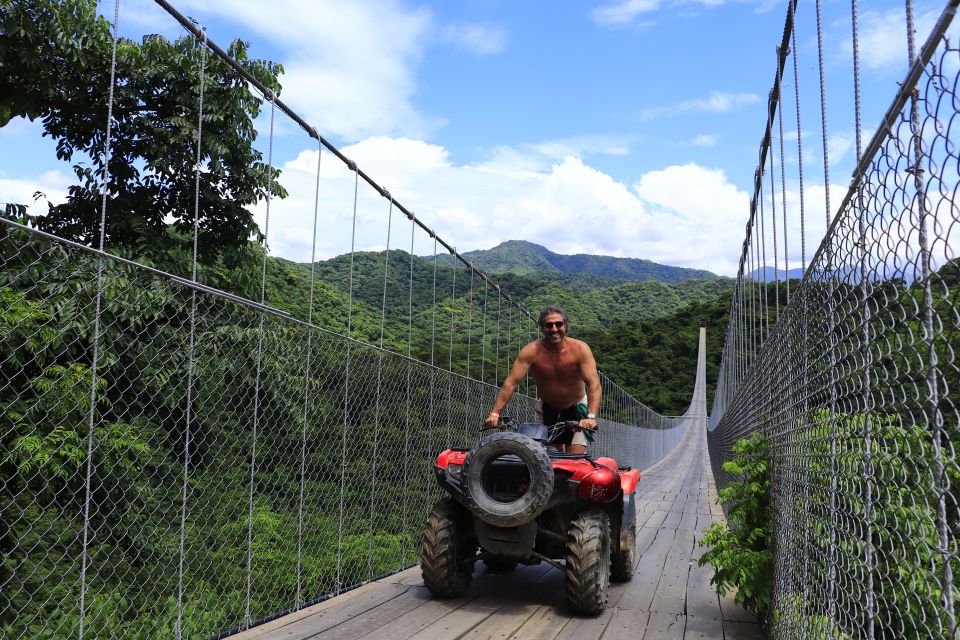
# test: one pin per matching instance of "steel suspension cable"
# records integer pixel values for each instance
(346, 384)
(247, 617)
(867, 349)
(783, 191)
(298, 600)
(933, 377)
(178, 625)
(95, 360)
(376, 407)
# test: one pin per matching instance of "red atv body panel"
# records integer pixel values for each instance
(577, 468)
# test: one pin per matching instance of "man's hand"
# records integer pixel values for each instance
(588, 423)
(492, 421)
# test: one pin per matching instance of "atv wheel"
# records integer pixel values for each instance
(500, 564)
(518, 502)
(447, 551)
(624, 556)
(588, 562)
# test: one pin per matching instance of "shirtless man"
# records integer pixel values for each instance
(567, 380)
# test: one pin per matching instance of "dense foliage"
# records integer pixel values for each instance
(740, 549)
(656, 360)
(55, 65)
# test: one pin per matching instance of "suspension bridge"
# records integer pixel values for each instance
(183, 457)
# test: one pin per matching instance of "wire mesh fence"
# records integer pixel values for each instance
(241, 463)
(196, 435)
(851, 374)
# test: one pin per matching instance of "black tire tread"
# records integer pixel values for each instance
(622, 562)
(541, 481)
(446, 573)
(588, 562)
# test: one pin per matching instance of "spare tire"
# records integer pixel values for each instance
(508, 479)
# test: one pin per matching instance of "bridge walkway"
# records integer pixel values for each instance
(669, 598)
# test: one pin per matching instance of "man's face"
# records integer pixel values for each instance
(554, 327)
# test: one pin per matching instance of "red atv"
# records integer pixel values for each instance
(516, 498)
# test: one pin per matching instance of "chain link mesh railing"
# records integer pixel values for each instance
(191, 444)
(852, 373)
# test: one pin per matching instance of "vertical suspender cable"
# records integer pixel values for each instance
(483, 335)
(469, 383)
(433, 346)
(306, 383)
(95, 361)
(496, 368)
(453, 313)
(247, 617)
(376, 408)
(773, 226)
(861, 214)
(346, 385)
(831, 333)
(763, 259)
(406, 423)
(783, 191)
(178, 626)
(933, 376)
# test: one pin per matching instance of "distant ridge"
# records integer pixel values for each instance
(526, 258)
(770, 274)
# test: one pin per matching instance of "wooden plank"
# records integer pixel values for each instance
(378, 617)
(412, 577)
(516, 601)
(582, 627)
(626, 624)
(335, 610)
(456, 623)
(664, 626)
(703, 629)
(408, 624)
(702, 599)
(670, 596)
(733, 611)
(546, 623)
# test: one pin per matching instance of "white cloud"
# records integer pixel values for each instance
(682, 215)
(52, 184)
(622, 13)
(705, 140)
(477, 39)
(349, 66)
(838, 144)
(579, 146)
(716, 102)
(883, 38)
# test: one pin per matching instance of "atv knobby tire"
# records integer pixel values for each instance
(447, 551)
(500, 564)
(624, 555)
(588, 562)
(526, 507)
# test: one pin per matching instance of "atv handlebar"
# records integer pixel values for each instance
(507, 423)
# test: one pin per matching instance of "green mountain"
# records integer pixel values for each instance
(526, 258)
(643, 332)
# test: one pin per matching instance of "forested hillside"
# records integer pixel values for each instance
(526, 258)
(644, 333)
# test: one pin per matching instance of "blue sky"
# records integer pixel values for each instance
(626, 128)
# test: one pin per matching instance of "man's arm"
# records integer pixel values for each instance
(520, 368)
(588, 367)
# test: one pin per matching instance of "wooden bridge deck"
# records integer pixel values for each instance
(669, 598)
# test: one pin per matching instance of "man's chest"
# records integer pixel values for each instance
(556, 365)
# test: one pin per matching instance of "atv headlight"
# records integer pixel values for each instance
(455, 470)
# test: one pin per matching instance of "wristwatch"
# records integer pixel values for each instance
(591, 416)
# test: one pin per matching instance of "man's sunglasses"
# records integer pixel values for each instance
(550, 325)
